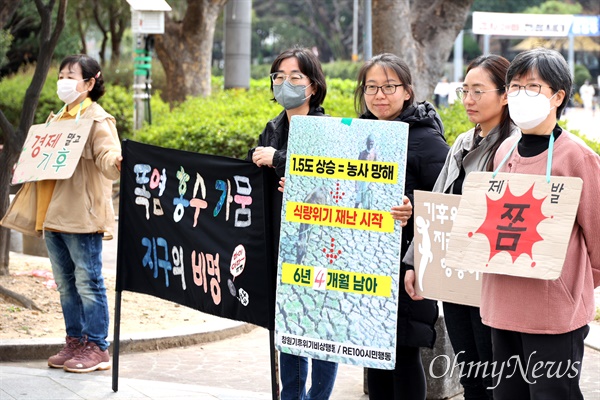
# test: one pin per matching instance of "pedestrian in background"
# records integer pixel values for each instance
(533, 321)
(441, 93)
(586, 91)
(385, 92)
(298, 85)
(73, 214)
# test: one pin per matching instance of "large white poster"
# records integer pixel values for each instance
(339, 254)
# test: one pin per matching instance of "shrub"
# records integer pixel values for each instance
(455, 121)
(117, 101)
(229, 121)
(12, 93)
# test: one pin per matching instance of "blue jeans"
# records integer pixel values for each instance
(77, 267)
(293, 371)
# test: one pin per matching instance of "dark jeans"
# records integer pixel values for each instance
(538, 366)
(293, 374)
(472, 343)
(406, 381)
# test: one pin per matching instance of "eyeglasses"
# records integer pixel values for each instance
(385, 89)
(295, 79)
(475, 94)
(531, 89)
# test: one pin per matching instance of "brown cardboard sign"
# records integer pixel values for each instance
(514, 224)
(52, 151)
(434, 216)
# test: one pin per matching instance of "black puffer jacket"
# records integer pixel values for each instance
(276, 135)
(427, 150)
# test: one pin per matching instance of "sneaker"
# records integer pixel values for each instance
(89, 359)
(71, 349)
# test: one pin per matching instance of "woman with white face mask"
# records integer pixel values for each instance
(74, 215)
(298, 85)
(543, 323)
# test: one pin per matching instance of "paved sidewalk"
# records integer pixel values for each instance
(233, 368)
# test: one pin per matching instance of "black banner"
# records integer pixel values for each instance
(192, 231)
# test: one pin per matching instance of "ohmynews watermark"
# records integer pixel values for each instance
(529, 372)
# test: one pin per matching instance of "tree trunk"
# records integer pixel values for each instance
(15, 137)
(79, 14)
(98, 19)
(119, 20)
(185, 50)
(421, 33)
(7, 9)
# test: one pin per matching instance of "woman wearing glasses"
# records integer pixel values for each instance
(385, 92)
(298, 85)
(538, 323)
(483, 95)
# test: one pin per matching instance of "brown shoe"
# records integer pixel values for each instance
(89, 359)
(71, 349)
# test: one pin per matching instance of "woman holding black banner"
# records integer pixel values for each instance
(74, 214)
(385, 92)
(298, 85)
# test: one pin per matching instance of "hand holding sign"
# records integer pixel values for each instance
(52, 151)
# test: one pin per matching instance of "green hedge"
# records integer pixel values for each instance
(229, 121)
(117, 100)
(226, 123)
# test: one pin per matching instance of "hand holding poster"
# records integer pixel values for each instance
(514, 224)
(434, 216)
(52, 151)
(339, 254)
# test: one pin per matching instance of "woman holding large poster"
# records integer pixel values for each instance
(298, 85)
(385, 92)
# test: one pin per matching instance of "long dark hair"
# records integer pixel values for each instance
(496, 67)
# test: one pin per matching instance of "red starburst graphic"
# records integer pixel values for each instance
(511, 223)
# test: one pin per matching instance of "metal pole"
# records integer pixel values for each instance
(138, 84)
(572, 54)
(458, 56)
(368, 45)
(355, 31)
(486, 44)
(238, 33)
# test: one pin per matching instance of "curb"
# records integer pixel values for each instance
(593, 338)
(35, 349)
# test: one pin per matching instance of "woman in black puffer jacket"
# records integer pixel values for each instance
(385, 92)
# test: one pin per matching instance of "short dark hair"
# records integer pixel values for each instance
(550, 66)
(310, 66)
(386, 61)
(89, 69)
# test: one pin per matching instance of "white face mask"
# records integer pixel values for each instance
(67, 90)
(528, 112)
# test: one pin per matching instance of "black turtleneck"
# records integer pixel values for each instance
(531, 145)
